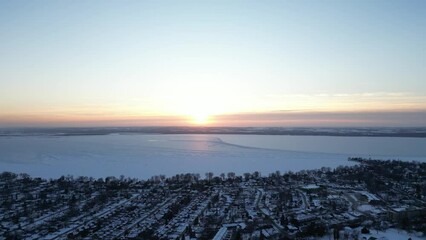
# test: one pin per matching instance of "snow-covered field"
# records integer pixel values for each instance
(143, 156)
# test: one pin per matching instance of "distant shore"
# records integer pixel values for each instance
(413, 132)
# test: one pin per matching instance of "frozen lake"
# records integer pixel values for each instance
(143, 156)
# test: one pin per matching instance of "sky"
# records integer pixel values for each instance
(214, 63)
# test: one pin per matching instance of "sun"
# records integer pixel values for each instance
(200, 118)
(197, 110)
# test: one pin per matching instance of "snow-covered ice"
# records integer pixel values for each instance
(143, 156)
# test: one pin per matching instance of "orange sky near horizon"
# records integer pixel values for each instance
(268, 119)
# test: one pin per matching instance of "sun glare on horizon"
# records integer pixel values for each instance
(200, 118)
(198, 109)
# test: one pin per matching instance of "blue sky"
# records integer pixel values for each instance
(72, 62)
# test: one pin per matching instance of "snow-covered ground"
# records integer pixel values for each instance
(389, 234)
(143, 156)
(393, 234)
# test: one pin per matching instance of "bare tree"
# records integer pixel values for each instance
(231, 175)
(209, 176)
